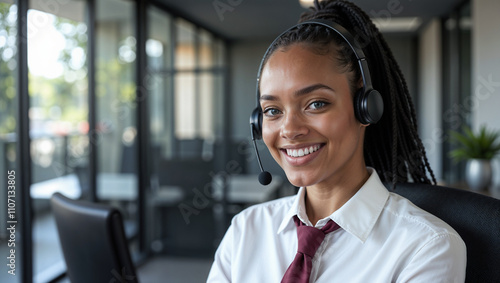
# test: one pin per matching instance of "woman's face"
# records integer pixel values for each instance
(308, 118)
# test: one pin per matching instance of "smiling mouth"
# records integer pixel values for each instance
(299, 152)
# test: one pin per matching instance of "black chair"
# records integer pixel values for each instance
(93, 241)
(474, 216)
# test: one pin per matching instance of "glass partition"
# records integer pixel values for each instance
(185, 90)
(185, 84)
(116, 126)
(58, 89)
(185, 48)
(186, 114)
(8, 125)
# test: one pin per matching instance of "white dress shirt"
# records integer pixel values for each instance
(383, 238)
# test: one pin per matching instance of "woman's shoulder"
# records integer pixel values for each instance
(412, 217)
(424, 239)
(270, 212)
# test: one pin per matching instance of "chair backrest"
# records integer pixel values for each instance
(93, 241)
(474, 216)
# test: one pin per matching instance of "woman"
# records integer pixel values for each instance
(308, 94)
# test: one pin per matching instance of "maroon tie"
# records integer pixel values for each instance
(309, 240)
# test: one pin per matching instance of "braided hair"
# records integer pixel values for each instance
(392, 146)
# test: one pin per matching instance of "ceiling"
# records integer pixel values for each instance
(264, 19)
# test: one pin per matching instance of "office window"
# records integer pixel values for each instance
(194, 83)
(185, 75)
(207, 105)
(207, 87)
(185, 53)
(186, 114)
(8, 67)
(219, 99)
(59, 75)
(185, 84)
(8, 124)
(159, 50)
(206, 50)
(58, 89)
(116, 126)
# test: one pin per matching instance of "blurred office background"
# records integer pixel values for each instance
(144, 105)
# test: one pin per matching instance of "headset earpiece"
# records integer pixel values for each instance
(368, 106)
(256, 123)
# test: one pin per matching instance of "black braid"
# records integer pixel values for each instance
(392, 146)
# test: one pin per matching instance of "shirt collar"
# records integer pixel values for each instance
(357, 216)
(298, 208)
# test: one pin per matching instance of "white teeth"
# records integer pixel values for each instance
(303, 151)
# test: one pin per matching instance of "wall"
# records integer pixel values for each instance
(429, 95)
(404, 50)
(245, 60)
(486, 68)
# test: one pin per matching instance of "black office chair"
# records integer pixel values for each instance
(474, 216)
(93, 241)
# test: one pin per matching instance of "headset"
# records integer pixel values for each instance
(368, 103)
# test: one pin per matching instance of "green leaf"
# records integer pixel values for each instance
(483, 145)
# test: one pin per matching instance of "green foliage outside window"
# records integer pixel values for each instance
(8, 51)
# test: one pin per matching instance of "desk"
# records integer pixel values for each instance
(67, 185)
(116, 186)
(123, 187)
(110, 186)
(247, 189)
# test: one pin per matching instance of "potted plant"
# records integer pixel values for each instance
(477, 149)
